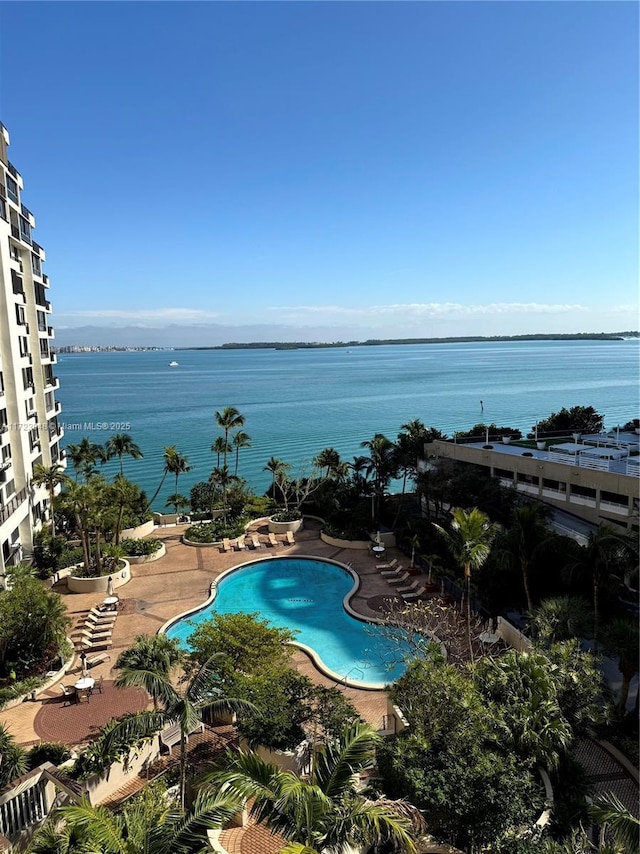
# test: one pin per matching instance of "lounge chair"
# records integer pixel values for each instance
(226, 545)
(400, 580)
(97, 627)
(290, 540)
(387, 566)
(255, 541)
(416, 594)
(96, 643)
(97, 613)
(94, 635)
(102, 620)
(272, 540)
(94, 660)
(240, 543)
(409, 588)
(393, 573)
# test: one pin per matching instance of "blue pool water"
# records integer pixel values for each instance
(306, 596)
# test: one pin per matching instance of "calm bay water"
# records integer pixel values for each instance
(297, 402)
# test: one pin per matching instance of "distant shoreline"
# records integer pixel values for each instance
(371, 342)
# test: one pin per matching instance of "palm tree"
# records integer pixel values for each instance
(220, 447)
(178, 502)
(201, 695)
(13, 758)
(616, 821)
(85, 456)
(525, 543)
(50, 477)
(221, 477)
(148, 824)
(328, 459)
(597, 561)
(620, 640)
(77, 499)
(561, 618)
(382, 464)
(323, 813)
(172, 461)
(154, 655)
(124, 492)
(469, 541)
(277, 468)
(240, 440)
(229, 419)
(119, 445)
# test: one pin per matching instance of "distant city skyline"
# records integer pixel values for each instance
(328, 171)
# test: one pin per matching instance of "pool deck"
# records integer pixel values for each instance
(180, 581)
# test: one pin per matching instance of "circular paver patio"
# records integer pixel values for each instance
(78, 723)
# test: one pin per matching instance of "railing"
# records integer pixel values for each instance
(12, 169)
(11, 506)
(26, 212)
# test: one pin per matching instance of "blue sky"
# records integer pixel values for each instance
(337, 169)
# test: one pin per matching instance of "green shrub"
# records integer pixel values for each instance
(140, 548)
(213, 532)
(287, 516)
(19, 689)
(345, 533)
(47, 751)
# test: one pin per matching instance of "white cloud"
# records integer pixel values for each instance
(428, 310)
(145, 315)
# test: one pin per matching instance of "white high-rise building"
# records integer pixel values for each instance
(29, 429)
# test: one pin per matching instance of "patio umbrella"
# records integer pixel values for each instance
(110, 587)
(83, 659)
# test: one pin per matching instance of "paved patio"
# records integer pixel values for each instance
(158, 591)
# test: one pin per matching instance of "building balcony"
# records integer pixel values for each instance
(556, 494)
(12, 505)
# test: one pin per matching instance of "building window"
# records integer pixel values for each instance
(20, 318)
(36, 267)
(25, 229)
(3, 210)
(12, 189)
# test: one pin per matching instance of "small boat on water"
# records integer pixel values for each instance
(173, 364)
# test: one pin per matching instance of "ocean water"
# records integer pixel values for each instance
(297, 402)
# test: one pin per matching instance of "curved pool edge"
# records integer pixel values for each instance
(318, 663)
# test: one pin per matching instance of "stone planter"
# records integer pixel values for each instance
(137, 559)
(361, 545)
(541, 446)
(506, 440)
(283, 527)
(76, 584)
(138, 533)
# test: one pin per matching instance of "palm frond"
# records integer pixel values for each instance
(101, 824)
(155, 684)
(339, 761)
(608, 809)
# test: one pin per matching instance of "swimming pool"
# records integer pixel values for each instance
(306, 596)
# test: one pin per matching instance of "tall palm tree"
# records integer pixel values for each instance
(323, 814)
(124, 493)
(154, 655)
(119, 445)
(240, 440)
(277, 468)
(178, 464)
(229, 419)
(221, 448)
(85, 456)
(170, 457)
(221, 477)
(50, 477)
(597, 560)
(382, 464)
(202, 694)
(525, 543)
(77, 499)
(469, 541)
(328, 459)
